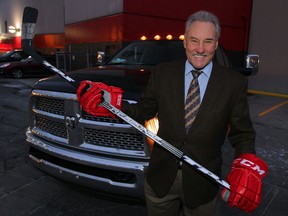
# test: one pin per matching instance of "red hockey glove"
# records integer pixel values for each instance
(90, 94)
(245, 180)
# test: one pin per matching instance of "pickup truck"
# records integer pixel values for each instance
(102, 153)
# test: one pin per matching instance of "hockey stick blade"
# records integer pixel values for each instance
(28, 31)
(27, 45)
(28, 24)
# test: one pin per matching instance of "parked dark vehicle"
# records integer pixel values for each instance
(102, 153)
(13, 55)
(25, 67)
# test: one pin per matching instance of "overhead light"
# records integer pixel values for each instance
(157, 37)
(13, 29)
(169, 37)
(181, 37)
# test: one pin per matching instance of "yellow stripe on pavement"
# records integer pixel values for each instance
(268, 93)
(272, 108)
(272, 95)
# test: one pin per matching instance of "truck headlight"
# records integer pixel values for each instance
(153, 126)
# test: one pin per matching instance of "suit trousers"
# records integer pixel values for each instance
(171, 204)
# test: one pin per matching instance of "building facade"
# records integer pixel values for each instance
(254, 26)
(93, 25)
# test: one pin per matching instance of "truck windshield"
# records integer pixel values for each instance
(149, 53)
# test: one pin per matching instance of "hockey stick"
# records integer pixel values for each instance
(28, 27)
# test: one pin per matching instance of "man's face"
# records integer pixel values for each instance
(200, 43)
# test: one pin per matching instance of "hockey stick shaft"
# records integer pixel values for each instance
(28, 28)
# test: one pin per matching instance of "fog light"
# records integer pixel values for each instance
(124, 177)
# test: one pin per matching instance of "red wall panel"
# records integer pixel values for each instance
(234, 16)
(10, 44)
(52, 41)
(104, 29)
(136, 26)
(55, 41)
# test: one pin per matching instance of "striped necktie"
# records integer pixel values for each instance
(192, 100)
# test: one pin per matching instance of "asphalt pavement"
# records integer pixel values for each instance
(24, 190)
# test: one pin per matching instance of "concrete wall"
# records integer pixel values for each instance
(75, 12)
(268, 38)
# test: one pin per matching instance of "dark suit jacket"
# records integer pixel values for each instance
(224, 106)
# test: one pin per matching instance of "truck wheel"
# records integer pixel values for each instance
(17, 73)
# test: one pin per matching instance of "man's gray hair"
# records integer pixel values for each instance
(204, 16)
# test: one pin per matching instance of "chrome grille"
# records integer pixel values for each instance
(56, 106)
(114, 139)
(52, 127)
(128, 140)
(87, 116)
(50, 105)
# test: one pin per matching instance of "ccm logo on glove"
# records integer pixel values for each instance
(250, 164)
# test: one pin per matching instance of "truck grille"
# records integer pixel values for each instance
(52, 127)
(114, 139)
(50, 105)
(50, 113)
(87, 116)
(56, 106)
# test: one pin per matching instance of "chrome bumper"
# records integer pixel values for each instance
(105, 163)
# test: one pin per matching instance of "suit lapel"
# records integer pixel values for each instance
(177, 81)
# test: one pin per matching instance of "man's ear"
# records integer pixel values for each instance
(184, 43)
(216, 45)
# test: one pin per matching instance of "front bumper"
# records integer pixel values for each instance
(111, 174)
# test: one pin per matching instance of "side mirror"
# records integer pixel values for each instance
(252, 62)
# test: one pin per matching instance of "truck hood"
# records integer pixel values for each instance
(131, 79)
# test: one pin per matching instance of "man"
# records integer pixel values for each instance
(216, 108)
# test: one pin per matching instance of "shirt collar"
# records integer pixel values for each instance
(207, 70)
